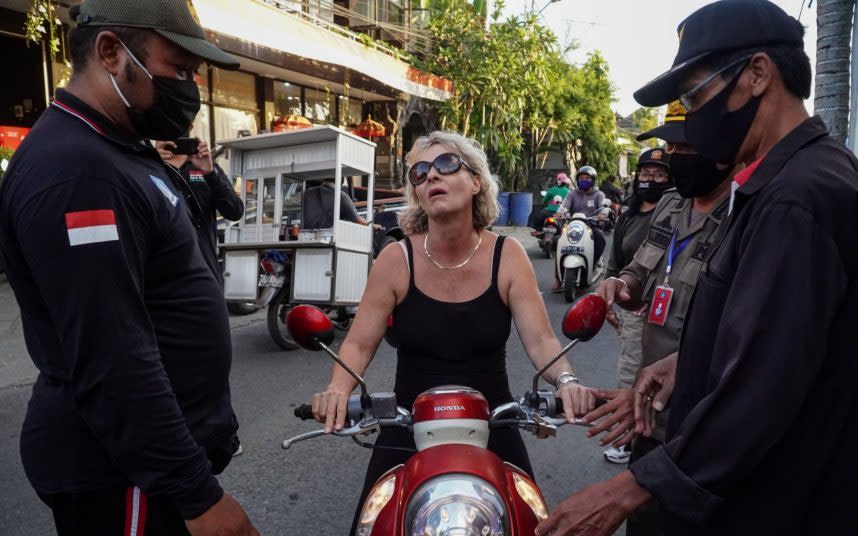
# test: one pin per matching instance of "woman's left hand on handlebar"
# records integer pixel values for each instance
(617, 417)
(577, 400)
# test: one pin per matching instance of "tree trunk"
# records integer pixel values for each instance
(833, 42)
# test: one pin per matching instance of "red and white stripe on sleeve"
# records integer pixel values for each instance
(91, 227)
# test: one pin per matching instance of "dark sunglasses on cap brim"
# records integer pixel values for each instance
(446, 164)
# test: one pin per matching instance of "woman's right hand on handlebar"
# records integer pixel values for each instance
(330, 407)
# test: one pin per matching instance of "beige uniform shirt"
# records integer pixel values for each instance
(649, 266)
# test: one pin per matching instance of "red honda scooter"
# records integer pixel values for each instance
(453, 485)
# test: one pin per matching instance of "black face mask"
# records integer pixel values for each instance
(177, 103)
(695, 175)
(716, 133)
(651, 191)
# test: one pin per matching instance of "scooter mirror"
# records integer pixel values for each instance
(585, 318)
(310, 326)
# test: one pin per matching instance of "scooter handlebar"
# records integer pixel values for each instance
(304, 412)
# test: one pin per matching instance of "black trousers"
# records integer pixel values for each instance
(114, 512)
(537, 218)
(645, 521)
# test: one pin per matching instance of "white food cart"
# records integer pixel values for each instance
(327, 267)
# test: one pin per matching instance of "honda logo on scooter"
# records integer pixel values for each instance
(449, 408)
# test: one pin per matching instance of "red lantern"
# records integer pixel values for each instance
(290, 122)
(370, 129)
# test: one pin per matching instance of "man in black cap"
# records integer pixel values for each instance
(765, 393)
(130, 416)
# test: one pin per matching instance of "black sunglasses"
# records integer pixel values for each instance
(446, 164)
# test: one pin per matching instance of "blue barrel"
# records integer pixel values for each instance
(520, 206)
(503, 201)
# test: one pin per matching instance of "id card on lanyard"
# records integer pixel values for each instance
(660, 306)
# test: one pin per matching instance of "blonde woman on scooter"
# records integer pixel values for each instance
(452, 289)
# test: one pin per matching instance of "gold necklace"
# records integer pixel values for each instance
(441, 266)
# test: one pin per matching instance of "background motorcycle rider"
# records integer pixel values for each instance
(587, 200)
(611, 191)
(631, 231)
(561, 187)
(453, 289)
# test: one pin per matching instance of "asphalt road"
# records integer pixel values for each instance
(312, 488)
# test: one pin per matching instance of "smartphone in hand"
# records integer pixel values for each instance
(188, 146)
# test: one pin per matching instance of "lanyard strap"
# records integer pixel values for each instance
(674, 251)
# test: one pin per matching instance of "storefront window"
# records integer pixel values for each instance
(287, 99)
(229, 123)
(234, 89)
(320, 105)
(351, 111)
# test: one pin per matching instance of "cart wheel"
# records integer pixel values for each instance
(277, 327)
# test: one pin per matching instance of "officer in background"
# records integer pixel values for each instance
(130, 417)
(663, 275)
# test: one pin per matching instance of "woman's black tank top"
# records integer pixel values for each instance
(441, 343)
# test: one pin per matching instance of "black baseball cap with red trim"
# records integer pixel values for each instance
(175, 20)
(719, 27)
(654, 156)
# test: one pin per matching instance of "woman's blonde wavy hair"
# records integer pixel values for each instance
(485, 205)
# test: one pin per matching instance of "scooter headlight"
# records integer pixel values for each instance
(375, 502)
(456, 505)
(576, 232)
(531, 496)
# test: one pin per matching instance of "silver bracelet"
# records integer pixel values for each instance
(621, 280)
(564, 378)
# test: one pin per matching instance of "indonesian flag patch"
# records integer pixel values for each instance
(91, 227)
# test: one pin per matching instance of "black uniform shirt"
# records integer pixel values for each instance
(215, 194)
(630, 233)
(766, 398)
(124, 320)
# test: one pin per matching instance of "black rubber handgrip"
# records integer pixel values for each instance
(304, 412)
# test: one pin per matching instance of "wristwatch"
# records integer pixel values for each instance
(564, 378)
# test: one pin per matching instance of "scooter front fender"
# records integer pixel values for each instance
(573, 261)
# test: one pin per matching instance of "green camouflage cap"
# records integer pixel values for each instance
(175, 20)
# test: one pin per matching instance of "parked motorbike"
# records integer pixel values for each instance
(547, 236)
(453, 485)
(275, 296)
(575, 254)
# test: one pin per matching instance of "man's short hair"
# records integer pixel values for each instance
(82, 40)
(792, 62)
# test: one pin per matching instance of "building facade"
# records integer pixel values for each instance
(337, 62)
